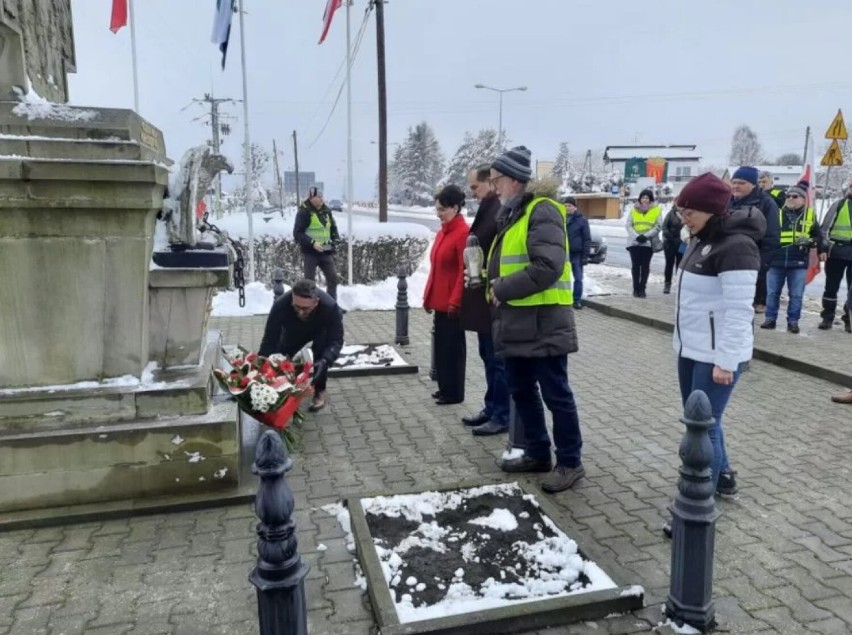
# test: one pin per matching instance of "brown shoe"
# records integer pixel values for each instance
(843, 398)
(562, 478)
(318, 402)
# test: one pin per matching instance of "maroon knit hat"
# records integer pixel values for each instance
(706, 193)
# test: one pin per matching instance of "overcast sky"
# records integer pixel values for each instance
(599, 72)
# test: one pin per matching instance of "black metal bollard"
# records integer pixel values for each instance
(402, 308)
(694, 522)
(278, 283)
(280, 573)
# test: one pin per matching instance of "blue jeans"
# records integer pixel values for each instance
(577, 272)
(775, 278)
(496, 392)
(525, 375)
(694, 375)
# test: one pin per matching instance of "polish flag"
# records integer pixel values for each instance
(330, 7)
(809, 176)
(119, 15)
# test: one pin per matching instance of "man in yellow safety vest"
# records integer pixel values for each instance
(530, 287)
(837, 256)
(316, 233)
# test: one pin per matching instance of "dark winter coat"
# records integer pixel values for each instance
(444, 287)
(303, 221)
(475, 310)
(579, 235)
(672, 226)
(836, 250)
(795, 256)
(713, 322)
(771, 240)
(287, 334)
(535, 331)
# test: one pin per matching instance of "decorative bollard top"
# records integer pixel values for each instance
(696, 449)
(697, 409)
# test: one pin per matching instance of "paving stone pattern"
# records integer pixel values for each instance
(784, 545)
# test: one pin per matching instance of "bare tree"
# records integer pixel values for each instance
(789, 158)
(745, 148)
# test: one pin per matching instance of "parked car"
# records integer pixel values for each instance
(597, 252)
(335, 205)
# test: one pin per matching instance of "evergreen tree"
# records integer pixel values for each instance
(419, 164)
(473, 151)
(563, 167)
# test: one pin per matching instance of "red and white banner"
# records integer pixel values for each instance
(118, 18)
(330, 7)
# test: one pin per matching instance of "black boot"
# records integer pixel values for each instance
(667, 288)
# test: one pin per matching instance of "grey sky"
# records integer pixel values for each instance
(599, 72)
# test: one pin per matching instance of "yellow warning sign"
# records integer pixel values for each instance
(833, 157)
(837, 129)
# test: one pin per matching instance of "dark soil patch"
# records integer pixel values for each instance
(482, 553)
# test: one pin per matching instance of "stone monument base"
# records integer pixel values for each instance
(165, 436)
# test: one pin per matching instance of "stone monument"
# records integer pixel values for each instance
(101, 397)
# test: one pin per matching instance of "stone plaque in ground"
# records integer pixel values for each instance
(357, 360)
(460, 559)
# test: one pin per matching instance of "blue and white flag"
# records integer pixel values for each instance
(222, 25)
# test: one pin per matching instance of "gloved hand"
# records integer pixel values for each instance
(641, 239)
(320, 367)
(803, 241)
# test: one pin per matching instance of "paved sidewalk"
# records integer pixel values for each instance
(825, 354)
(784, 545)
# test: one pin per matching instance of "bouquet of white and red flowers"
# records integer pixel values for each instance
(269, 389)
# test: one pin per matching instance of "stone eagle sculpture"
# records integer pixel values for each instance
(198, 168)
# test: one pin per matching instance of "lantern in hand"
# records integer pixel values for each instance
(473, 260)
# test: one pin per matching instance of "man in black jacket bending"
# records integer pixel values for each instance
(306, 314)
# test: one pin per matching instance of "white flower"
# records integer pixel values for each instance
(277, 358)
(262, 397)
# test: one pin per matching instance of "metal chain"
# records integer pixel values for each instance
(239, 262)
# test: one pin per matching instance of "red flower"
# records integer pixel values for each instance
(288, 367)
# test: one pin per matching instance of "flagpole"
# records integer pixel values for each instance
(349, 136)
(247, 148)
(133, 49)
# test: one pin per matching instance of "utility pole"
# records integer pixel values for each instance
(383, 111)
(296, 161)
(215, 141)
(278, 176)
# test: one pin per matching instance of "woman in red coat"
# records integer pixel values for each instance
(443, 295)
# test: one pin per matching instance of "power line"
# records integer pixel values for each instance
(358, 40)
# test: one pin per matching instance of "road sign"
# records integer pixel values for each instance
(837, 129)
(833, 157)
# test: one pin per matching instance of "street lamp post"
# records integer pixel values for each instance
(500, 92)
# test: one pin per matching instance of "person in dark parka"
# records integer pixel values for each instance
(673, 245)
(305, 315)
(476, 313)
(530, 286)
(746, 194)
(316, 232)
(579, 245)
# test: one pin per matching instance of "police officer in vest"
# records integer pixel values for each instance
(799, 232)
(837, 256)
(316, 232)
(767, 183)
(530, 286)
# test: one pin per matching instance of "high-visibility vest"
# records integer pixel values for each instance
(644, 221)
(318, 232)
(800, 227)
(514, 257)
(775, 192)
(842, 228)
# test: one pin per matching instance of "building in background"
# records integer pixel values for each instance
(672, 164)
(784, 176)
(306, 180)
(544, 169)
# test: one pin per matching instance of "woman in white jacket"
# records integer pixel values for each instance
(713, 329)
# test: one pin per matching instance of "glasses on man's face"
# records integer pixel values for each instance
(793, 196)
(495, 180)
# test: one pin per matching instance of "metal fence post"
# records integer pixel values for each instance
(280, 573)
(402, 308)
(694, 517)
(278, 283)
